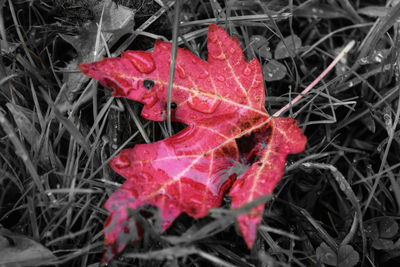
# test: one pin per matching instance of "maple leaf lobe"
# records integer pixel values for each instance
(261, 178)
(199, 87)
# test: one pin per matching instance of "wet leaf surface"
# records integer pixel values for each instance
(221, 101)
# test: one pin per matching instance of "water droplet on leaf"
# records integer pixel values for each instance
(143, 61)
(122, 162)
(247, 70)
(149, 100)
(256, 83)
(268, 166)
(181, 71)
(203, 75)
(202, 103)
(220, 78)
(146, 177)
(212, 38)
(221, 56)
(164, 46)
(134, 85)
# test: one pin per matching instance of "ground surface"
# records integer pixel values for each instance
(339, 201)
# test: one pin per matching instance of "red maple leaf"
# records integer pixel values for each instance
(220, 101)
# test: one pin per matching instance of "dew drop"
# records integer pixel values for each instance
(204, 104)
(164, 46)
(212, 38)
(363, 61)
(203, 75)
(145, 177)
(378, 58)
(143, 61)
(256, 83)
(221, 56)
(122, 162)
(268, 166)
(162, 88)
(247, 70)
(238, 92)
(181, 71)
(342, 186)
(149, 100)
(194, 60)
(232, 50)
(220, 78)
(135, 85)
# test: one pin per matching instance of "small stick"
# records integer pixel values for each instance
(319, 78)
(173, 63)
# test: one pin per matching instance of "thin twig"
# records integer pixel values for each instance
(174, 50)
(319, 78)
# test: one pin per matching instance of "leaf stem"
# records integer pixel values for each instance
(174, 49)
(319, 78)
